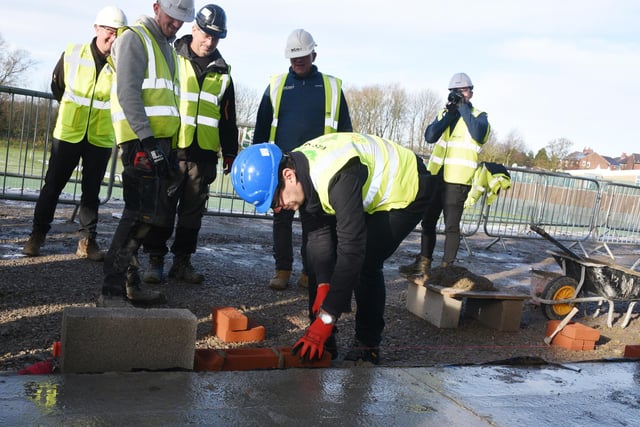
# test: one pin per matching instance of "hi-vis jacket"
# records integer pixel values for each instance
(456, 152)
(160, 93)
(489, 178)
(200, 107)
(85, 105)
(332, 91)
(392, 181)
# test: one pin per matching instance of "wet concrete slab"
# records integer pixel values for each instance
(580, 394)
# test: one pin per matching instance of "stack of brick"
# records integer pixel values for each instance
(248, 359)
(574, 336)
(231, 326)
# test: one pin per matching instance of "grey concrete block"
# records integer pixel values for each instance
(127, 339)
(439, 310)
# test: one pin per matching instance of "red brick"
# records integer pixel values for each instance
(293, 361)
(632, 351)
(574, 330)
(579, 331)
(247, 359)
(229, 318)
(252, 334)
(207, 359)
(568, 343)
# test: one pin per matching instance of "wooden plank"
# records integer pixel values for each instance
(461, 293)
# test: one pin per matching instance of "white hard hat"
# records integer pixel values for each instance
(111, 16)
(182, 10)
(460, 80)
(300, 43)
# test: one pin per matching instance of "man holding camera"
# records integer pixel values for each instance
(460, 130)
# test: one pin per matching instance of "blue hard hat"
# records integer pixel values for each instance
(254, 174)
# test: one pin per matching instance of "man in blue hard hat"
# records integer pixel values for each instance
(346, 186)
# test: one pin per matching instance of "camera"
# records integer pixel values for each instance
(454, 96)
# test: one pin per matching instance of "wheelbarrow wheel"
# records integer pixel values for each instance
(560, 288)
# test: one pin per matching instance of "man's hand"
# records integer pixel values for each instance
(311, 345)
(227, 162)
(155, 156)
(321, 294)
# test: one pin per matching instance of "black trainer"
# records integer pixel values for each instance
(361, 353)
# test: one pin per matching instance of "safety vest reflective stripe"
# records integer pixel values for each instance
(80, 100)
(207, 121)
(331, 119)
(275, 94)
(332, 92)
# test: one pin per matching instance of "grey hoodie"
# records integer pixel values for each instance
(130, 56)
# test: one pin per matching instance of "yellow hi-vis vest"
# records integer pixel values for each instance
(160, 92)
(393, 170)
(332, 91)
(489, 178)
(200, 107)
(457, 152)
(85, 106)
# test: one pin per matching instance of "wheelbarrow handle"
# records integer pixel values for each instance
(546, 235)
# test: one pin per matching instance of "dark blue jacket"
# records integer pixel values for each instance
(301, 116)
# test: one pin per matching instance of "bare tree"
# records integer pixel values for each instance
(421, 110)
(13, 64)
(364, 108)
(247, 102)
(557, 150)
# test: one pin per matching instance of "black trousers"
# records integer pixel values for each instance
(283, 240)
(65, 157)
(448, 199)
(189, 203)
(144, 206)
(385, 232)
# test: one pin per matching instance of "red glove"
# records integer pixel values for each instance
(38, 368)
(227, 162)
(311, 345)
(321, 293)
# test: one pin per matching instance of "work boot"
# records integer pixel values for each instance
(136, 294)
(303, 281)
(32, 247)
(280, 281)
(420, 267)
(111, 301)
(154, 270)
(113, 294)
(183, 270)
(88, 248)
(362, 354)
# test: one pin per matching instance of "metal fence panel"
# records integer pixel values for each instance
(565, 206)
(618, 219)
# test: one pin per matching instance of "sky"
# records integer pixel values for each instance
(542, 70)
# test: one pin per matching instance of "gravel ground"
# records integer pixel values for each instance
(235, 256)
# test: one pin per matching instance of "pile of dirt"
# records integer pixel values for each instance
(457, 277)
